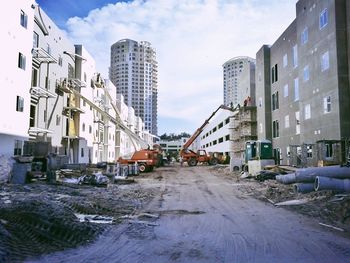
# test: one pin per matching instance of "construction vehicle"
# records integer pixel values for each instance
(145, 158)
(201, 156)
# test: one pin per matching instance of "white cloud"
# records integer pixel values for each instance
(193, 38)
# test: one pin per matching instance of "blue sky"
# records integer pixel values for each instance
(192, 38)
(60, 10)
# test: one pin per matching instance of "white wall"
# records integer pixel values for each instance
(14, 80)
(208, 136)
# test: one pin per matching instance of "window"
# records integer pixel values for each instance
(286, 121)
(297, 122)
(48, 48)
(274, 73)
(227, 120)
(32, 116)
(24, 19)
(306, 73)
(275, 129)
(285, 60)
(309, 151)
(221, 140)
(21, 61)
(325, 61)
(296, 89)
(329, 149)
(58, 120)
(82, 152)
(275, 102)
(323, 18)
(19, 104)
(295, 56)
(304, 35)
(307, 111)
(327, 104)
(35, 40)
(285, 91)
(83, 128)
(17, 150)
(60, 61)
(34, 77)
(70, 71)
(221, 125)
(227, 137)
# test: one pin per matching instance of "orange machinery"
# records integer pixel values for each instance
(201, 156)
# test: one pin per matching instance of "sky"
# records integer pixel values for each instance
(192, 38)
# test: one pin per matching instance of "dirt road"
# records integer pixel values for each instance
(202, 217)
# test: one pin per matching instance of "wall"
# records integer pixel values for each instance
(215, 139)
(14, 80)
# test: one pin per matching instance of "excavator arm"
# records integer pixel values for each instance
(201, 128)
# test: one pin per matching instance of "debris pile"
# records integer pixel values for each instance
(40, 218)
(329, 207)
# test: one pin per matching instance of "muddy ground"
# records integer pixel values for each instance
(40, 218)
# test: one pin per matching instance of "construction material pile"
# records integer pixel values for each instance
(306, 180)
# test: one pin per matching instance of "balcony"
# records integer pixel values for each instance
(42, 56)
(41, 93)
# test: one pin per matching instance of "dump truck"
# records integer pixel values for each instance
(201, 156)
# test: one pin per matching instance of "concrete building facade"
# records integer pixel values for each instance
(172, 146)
(215, 137)
(55, 95)
(17, 24)
(134, 71)
(239, 80)
(302, 84)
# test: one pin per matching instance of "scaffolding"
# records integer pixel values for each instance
(244, 128)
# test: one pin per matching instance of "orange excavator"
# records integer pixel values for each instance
(201, 156)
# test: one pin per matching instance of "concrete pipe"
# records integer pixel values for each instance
(304, 188)
(286, 178)
(336, 171)
(308, 175)
(326, 183)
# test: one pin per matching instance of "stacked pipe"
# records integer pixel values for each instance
(318, 178)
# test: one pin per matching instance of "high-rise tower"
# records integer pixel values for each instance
(239, 80)
(134, 70)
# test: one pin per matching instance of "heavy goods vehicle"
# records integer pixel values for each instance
(201, 156)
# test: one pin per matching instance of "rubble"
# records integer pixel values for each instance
(329, 207)
(40, 218)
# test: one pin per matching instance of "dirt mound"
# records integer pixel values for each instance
(35, 227)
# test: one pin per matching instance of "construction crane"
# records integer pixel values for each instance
(191, 157)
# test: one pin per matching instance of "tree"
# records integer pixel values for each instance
(173, 136)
